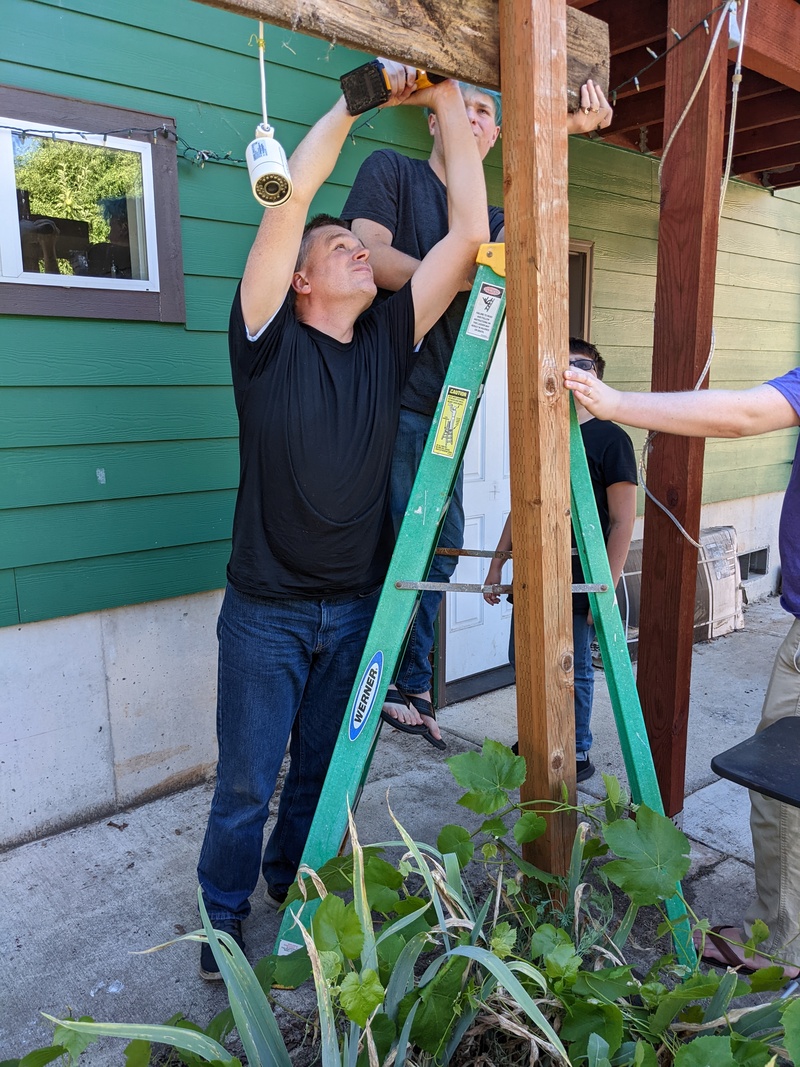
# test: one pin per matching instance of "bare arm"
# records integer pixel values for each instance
(622, 515)
(701, 413)
(272, 258)
(495, 571)
(443, 270)
(391, 268)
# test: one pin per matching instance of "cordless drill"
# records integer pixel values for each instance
(368, 86)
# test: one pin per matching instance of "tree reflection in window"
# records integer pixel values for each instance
(80, 207)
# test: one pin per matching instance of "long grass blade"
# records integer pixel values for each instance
(327, 1020)
(402, 976)
(718, 1004)
(509, 981)
(405, 1033)
(255, 1022)
(188, 1040)
(369, 955)
(426, 875)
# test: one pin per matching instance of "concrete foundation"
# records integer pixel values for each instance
(104, 710)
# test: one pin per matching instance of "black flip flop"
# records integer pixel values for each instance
(424, 707)
(419, 729)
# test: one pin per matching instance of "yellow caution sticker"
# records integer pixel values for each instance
(450, 421)
(485, 310)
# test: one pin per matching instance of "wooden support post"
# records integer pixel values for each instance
(533, 52)
(687, 250)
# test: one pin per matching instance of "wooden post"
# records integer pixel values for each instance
(533, 54)
(687, 251)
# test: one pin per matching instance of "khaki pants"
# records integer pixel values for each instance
(776, 827)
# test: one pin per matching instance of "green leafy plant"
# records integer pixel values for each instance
(409, 968)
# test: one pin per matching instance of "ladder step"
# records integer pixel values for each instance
(474, 587)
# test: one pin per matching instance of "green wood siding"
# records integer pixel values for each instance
(119, 459)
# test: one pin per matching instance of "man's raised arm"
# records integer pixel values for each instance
(272, 258)
(441, 273)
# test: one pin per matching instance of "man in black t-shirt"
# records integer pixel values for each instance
(317, 376)
(612, 469)
(398, 208)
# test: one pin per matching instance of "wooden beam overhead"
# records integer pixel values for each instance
(782, 179)
(631, 23)
(756, 162)
(772, 40)
(763, 111)
(766, 137)
(459, 40)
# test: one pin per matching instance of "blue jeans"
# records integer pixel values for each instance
(582, 636)
(414, 674)
(286, 668)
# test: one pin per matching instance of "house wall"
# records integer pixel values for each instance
(106, 622)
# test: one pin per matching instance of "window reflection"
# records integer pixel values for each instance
(80, 208)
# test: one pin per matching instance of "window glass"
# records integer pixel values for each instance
(80, 208)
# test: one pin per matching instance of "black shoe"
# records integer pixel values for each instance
(584, 768)
(209, 968)
(274, 898)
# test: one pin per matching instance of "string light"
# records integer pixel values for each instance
(198, 156)
(634, 79)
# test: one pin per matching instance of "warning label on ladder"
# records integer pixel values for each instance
(485, 311)
(451, 420)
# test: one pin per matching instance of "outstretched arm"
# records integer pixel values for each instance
(700, 413)
(441, 273)
(272, 258)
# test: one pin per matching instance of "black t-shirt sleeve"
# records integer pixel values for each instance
(619, 459)
(497, 220)
(393, 319)
(376, 191)
(248, 358)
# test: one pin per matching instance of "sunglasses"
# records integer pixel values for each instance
(582, 364)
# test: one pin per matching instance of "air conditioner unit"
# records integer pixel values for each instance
(718, 597)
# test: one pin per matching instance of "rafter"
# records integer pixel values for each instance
(460, 39)
(772, 40)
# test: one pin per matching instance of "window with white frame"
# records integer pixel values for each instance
(76, 210)
(89, 222)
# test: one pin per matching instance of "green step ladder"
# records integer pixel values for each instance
(416, 544)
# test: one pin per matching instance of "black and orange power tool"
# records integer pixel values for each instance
(367, 86)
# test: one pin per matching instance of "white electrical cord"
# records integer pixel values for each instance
(262, 72)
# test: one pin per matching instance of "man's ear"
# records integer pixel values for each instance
(431, 124)
(300, 284)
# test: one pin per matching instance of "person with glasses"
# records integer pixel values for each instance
(612, 467)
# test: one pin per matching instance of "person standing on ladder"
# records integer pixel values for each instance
(398, 208)
(775, 826)
(317, 373)
(612, 468)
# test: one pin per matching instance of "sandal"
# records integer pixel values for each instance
(729, 957)
(424, 707)
(418, 729)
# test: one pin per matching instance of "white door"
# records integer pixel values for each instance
(477, 633)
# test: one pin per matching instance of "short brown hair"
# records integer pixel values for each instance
(316, 223)
(579, 347)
